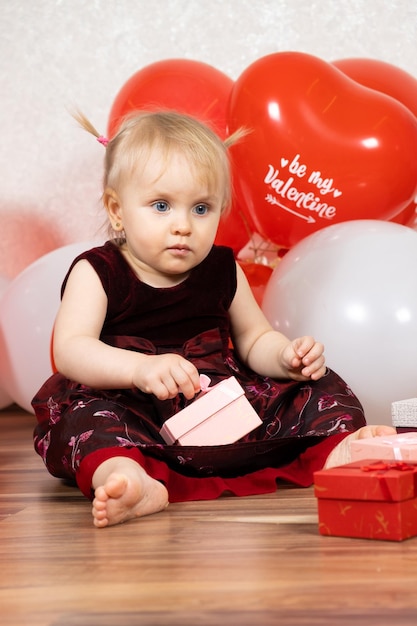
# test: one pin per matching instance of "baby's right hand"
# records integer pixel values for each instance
(167, 375)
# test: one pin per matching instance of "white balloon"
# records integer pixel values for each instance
(353, 286)
(27, 314)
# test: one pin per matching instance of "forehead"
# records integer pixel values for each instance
(162, 162)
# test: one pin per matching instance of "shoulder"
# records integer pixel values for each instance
(106, 254)
(105, 260)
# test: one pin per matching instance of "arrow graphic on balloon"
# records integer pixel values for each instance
(272, 200)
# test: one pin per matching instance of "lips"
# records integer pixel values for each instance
(179, 249)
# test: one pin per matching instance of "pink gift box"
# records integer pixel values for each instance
(400, 447)
(220, 415)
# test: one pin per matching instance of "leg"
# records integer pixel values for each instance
(123, 491)
(340, 455)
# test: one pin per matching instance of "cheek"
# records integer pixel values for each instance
(216, 217)
(146, 229)
(211, 228)
(143, 237)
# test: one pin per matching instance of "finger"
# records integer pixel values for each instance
(191, 370)
(186, 378)
(318, 374)
(314, 354)
(303, 345)
(316, 366)
(164, 388)
(161, 384)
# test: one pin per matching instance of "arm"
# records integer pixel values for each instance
(266, 351)
(80, 355)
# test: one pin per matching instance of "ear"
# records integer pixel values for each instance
(113, 207)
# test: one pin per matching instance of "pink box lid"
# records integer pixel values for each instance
(394, 445)
(209, 405)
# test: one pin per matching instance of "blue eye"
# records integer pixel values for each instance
(201, 209)
(161, 206)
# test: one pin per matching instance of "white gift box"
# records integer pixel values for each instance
(404, 413)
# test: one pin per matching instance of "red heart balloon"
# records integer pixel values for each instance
(383, 77)
(321, 149)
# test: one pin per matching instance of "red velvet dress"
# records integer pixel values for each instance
(79, 427)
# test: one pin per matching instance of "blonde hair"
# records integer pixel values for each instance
(168, 131)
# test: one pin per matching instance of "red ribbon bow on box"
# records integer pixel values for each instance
(384, 466)
(380, 467)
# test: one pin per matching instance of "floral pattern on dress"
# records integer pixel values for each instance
(294, 416)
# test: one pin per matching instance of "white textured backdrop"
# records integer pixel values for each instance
(59, 53)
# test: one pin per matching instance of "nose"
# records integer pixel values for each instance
(181, 223)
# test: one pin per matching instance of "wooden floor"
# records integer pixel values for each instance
(239, 562)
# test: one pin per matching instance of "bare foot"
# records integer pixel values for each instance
(123, 491)
(340, 455)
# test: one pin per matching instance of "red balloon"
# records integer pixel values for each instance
(382, 77)
(407, 216)
(233, 231)
(394, 82)
(258, 276)
(322, 148)
(412, 219)
(182, 85)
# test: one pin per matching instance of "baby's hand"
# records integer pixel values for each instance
(167, 375)
(304, 359)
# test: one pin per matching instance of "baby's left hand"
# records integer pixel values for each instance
(304, 359)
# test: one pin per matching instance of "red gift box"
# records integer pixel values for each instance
(368, 499)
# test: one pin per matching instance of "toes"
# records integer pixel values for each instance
(99, 505)
(99, 513)
(116, 486)
(100, 523)
(101, 496)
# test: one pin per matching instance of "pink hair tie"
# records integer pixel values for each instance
(103, 140)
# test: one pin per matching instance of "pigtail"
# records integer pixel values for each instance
(236, 137)
(85, 123)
